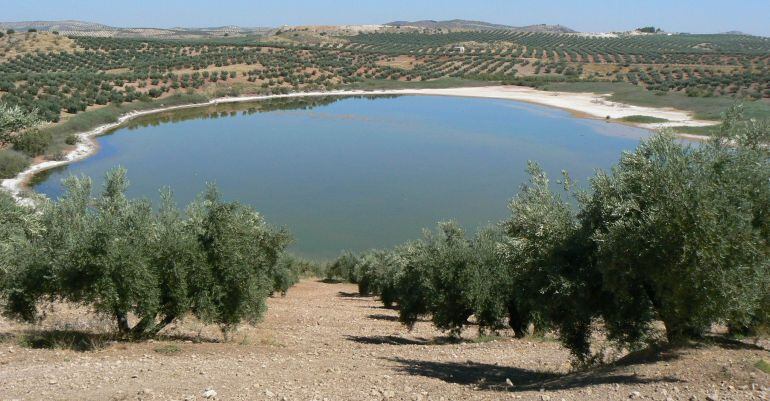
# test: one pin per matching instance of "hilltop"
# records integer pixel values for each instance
(460, 25)
(20, 44)
(85, 28)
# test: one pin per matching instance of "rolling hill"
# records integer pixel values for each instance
(458, 25)
(83, 28)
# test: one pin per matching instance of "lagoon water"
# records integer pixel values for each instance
(355, 173)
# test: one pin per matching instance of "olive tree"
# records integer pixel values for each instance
(239, 248)
(117, 256)
(343, 268)
(682, 234)
(450, 278)
(377, 272)
(14, 119)
(17, 224)
(549, 263)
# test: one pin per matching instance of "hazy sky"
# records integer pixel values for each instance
(752, 16)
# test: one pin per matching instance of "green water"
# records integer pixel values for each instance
(355, 173)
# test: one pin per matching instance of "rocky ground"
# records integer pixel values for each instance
(323, 342)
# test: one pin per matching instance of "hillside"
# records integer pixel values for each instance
(325, 342)
(20, 44)
(460, 25)
(82, 28)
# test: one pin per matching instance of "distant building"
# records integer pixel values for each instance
(459, 49)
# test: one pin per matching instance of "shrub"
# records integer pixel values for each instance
(12, 163)
(240, 249)
(490, 285)
(435, 277)
(14, 119)
(33, 143)
(377, 273)
(343, 268)
(71, 139)
(16, 223)
(286, 273)
(168, 349)
(364, 273)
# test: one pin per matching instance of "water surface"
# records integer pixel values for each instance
(355, 173)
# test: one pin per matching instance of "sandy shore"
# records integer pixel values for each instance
(589, 105)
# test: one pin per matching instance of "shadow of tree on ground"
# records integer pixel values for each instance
(396, 340)
(330, 281)
(388, 340)
(493, 377)
(344, 294)
(380, 316)
(74, 340)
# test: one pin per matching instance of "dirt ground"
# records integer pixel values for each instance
(323, 342)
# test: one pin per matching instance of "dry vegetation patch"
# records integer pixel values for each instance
(19, 44)
(403, 62)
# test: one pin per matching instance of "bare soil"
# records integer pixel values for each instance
(324, 342)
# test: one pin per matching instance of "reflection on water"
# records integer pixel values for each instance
(354, 173)
(243, 108)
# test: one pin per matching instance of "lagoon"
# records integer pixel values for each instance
(354, 173)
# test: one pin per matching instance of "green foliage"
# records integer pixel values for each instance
(648, 29)
(674, 233)
(343, 268)
(12, 163)
(219, 263)
(32, 143)
(377, 273)
(543, 250)
(16, 224)
(14, 119)
(71, 139)
(168, 349)
(445, 276)
(286, 272)
(683, 232)
(763, 365)
(240, 249)
(643, 119)
(64, 339)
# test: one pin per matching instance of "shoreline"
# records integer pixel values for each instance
(581, 105)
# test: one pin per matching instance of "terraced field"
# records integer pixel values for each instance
(59, 77)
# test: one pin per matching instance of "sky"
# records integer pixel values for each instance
(696, 16)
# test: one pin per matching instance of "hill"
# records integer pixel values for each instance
(84, 28)
(23, 43)
(459, 25)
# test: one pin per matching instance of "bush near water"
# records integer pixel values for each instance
(674, 233)
(219, 261)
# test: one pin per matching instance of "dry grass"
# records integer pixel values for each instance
(19, 44)
(403, 62)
